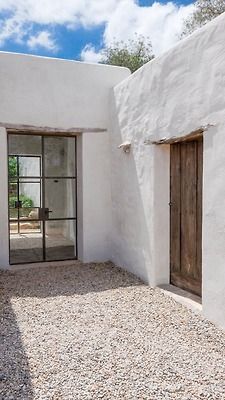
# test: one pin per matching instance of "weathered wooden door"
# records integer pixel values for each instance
(186, 215)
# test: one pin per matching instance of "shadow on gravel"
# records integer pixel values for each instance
(79, 279)
(15, 382)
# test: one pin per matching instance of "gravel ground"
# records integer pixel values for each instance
(96, 332)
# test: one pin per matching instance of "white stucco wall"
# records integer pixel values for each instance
(173, 95)
(214, 222)
(96, 198)
(53, 93)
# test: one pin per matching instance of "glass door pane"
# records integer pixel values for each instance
(13, 167)
(29, 166)
(13, 200)
(60, 240)
(59, 157)
(13, 193)
(24, 145)
(25, 247)
(29, 202)
(60, 198)
(25, 192)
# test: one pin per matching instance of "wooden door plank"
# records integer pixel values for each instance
(188, 208)
(175, 208)
(199, 209)
(186, 283)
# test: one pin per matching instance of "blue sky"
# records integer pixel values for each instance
(79, 29)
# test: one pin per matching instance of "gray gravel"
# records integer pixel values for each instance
(96, 332)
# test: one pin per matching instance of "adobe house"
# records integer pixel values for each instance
(100, 165)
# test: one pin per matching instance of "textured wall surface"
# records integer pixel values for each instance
(172, 95)
(96, 198)
(55, 93)
(64, 94)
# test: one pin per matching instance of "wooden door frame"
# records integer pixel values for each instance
(176, 279)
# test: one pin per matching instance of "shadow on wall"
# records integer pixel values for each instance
(129, 221)
(79, 279)
(140, 197)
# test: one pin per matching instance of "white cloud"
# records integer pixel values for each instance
(162, 22)
(24, 14)
(42, 39)
(12, 28)
(89, 54)
(62, 12)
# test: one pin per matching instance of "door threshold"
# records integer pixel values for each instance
(191, 301)
(18, 267)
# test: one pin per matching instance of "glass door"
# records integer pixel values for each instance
(60, 198)
(42, 198)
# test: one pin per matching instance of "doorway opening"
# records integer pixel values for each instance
(42, 197)
(186, 171)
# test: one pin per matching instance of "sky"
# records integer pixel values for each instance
(80, 29)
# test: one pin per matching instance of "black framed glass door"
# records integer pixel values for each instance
(42, 198)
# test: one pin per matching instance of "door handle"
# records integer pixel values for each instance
(44, 213)
(47, 212)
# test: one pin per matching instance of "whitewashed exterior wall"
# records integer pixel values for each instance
(95, 198)
(55, 93)
(173, 95)
(63, 94)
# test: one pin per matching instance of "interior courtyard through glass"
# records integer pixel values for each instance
(42, 198)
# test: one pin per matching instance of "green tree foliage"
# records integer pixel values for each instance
(26, 201)
(132, 54)
(12, 167)
(205, 11)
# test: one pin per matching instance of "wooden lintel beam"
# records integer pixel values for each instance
(194, 135)
(41, 130)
